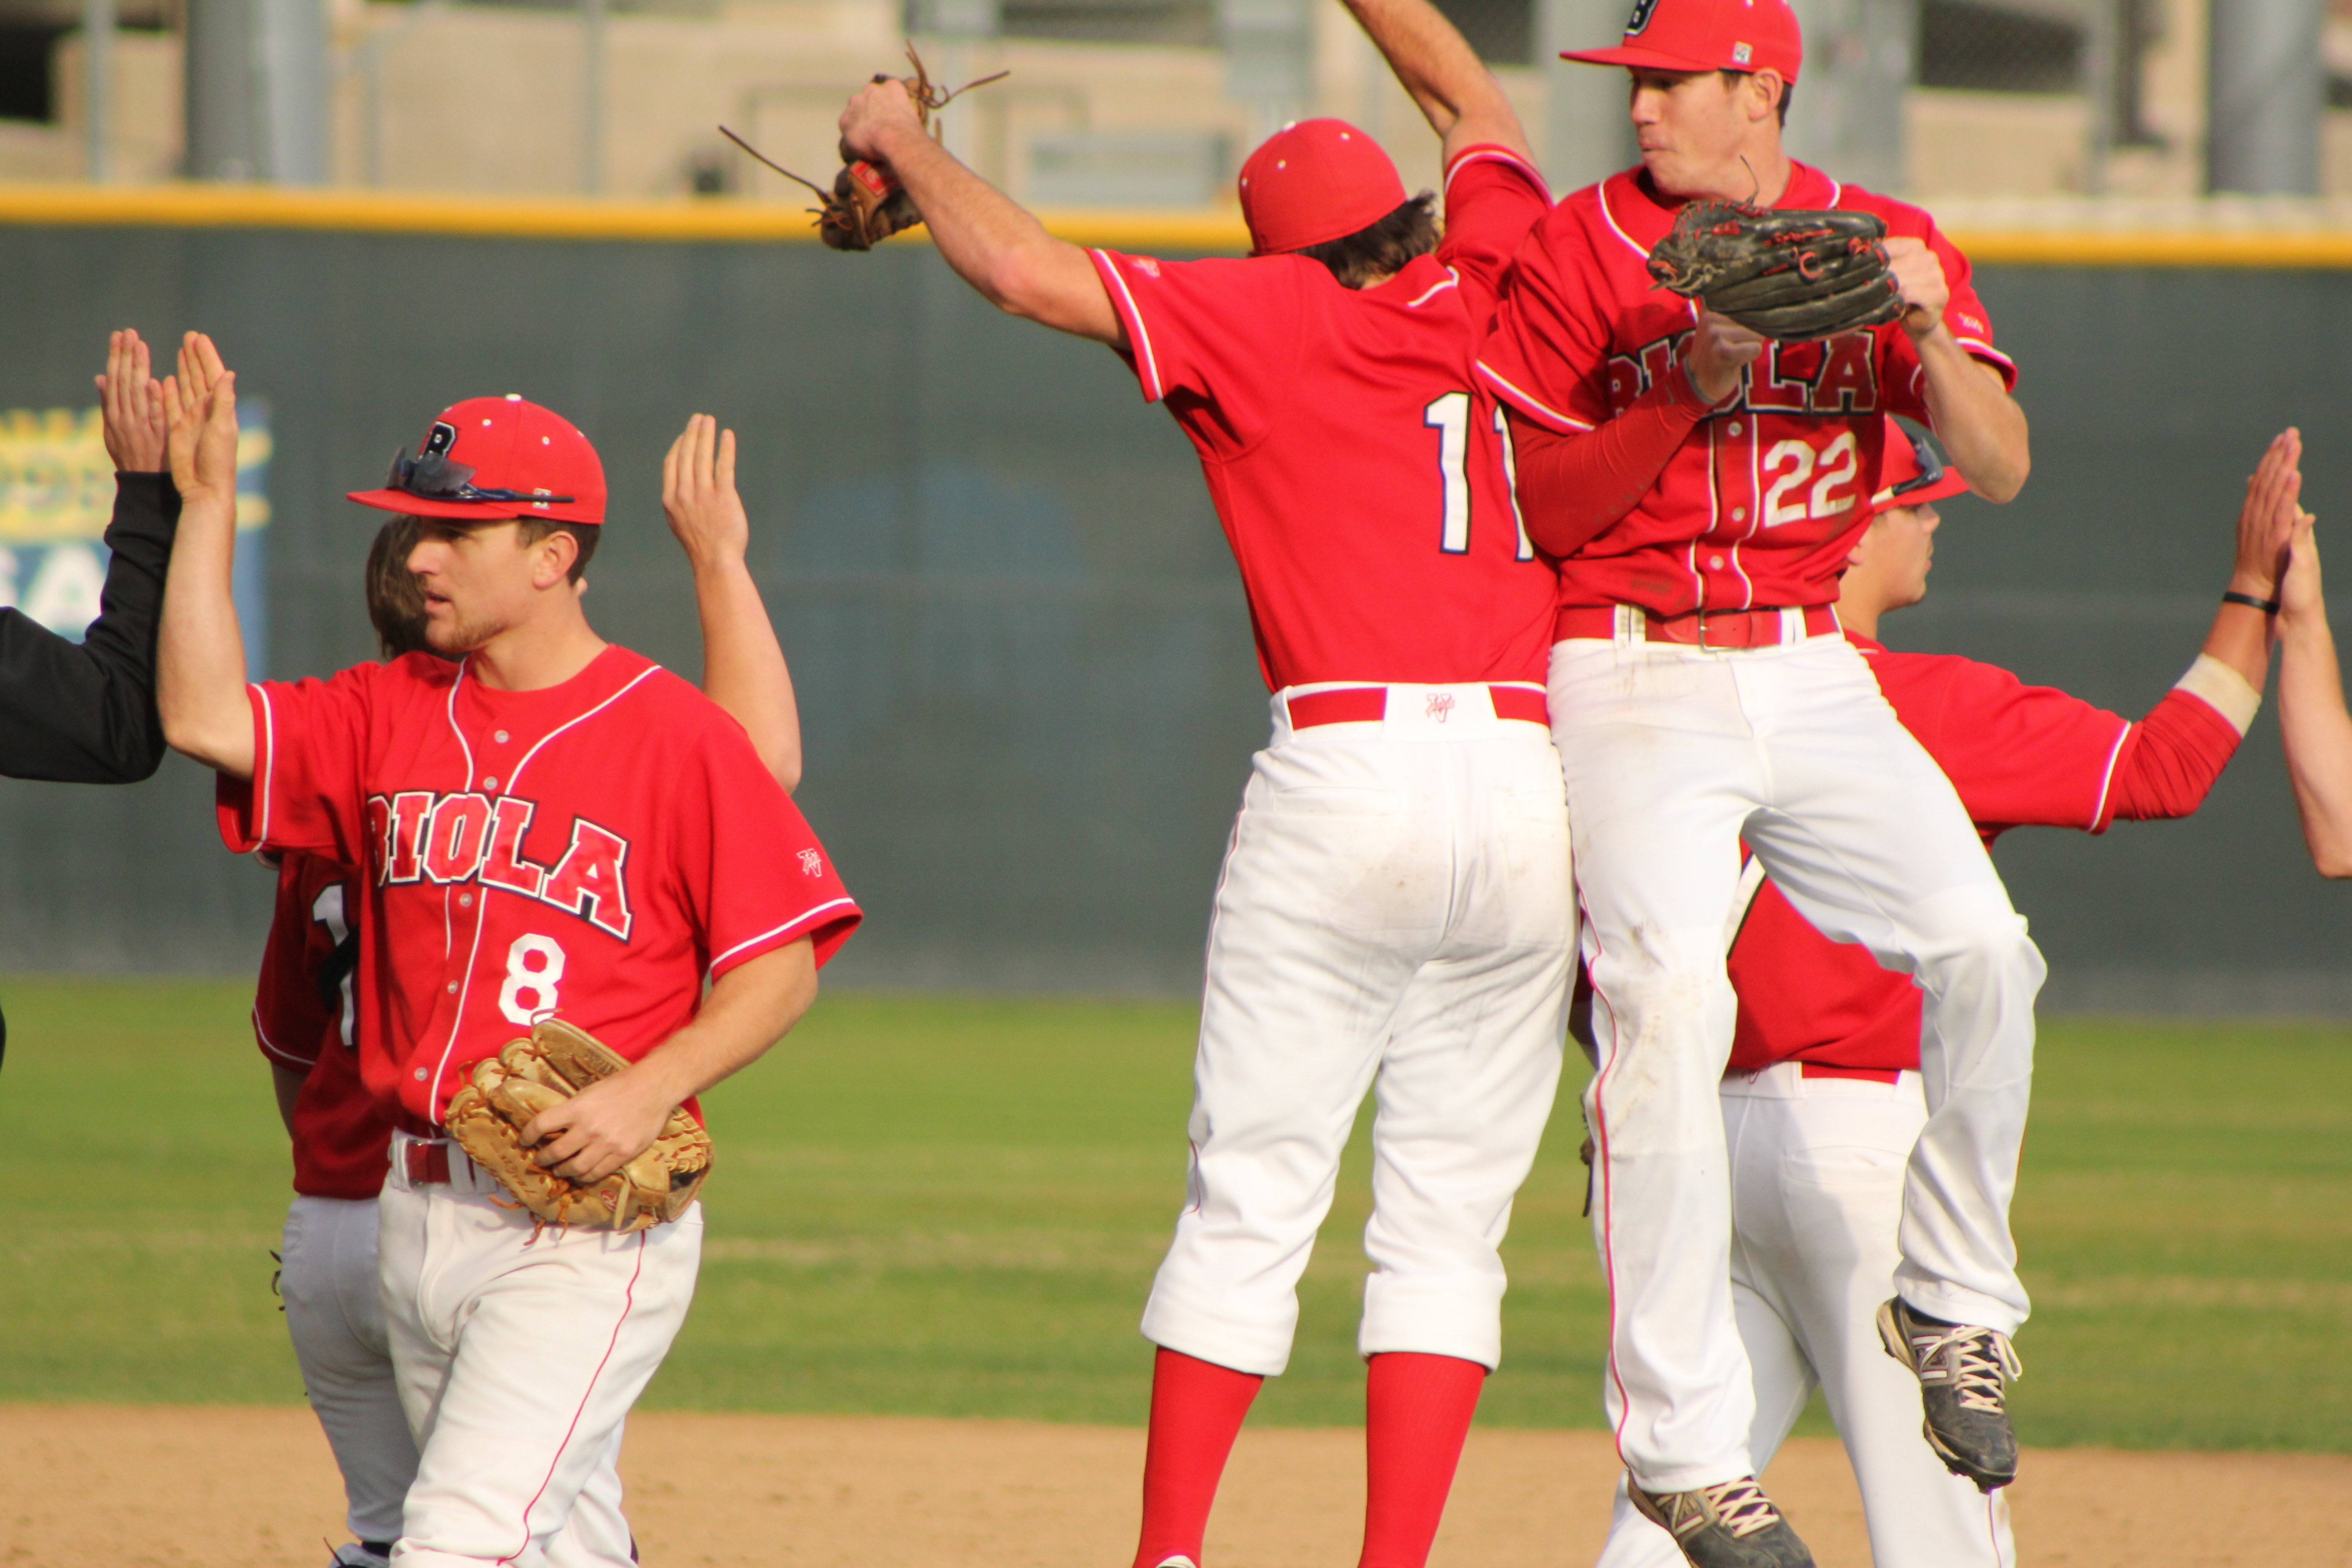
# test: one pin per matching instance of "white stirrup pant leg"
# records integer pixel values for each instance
(1469, 1079)
(1396, 896)
(1865, 836)
(1818, 1197)
(596, 1532)
(519, 1356)
(1816, 1192)
(1661, 772)
(327, 1278)
(1671, 754)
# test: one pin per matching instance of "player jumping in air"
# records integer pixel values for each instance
(306, 1017)
(1395, 903)
(1704, 487)
(1822, 1101)
(549, 826)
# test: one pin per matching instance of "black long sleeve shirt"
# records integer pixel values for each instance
(86, 713)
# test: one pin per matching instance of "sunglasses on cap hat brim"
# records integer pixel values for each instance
(432, 477)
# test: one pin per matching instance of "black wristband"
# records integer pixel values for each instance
(2267, 607)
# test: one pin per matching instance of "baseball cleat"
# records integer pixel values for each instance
(1961, 1369)
(1731, 1524)
(361, 1554)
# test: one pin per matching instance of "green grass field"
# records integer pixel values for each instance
(954, 1207)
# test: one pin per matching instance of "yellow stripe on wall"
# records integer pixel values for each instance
(537, 218)
(1215, 230)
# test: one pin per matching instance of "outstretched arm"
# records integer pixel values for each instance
(2176, 753)
(2312, 724)
(1458, 96)
(85, 712)
(992, 243)
(743, 667)
(200, 658)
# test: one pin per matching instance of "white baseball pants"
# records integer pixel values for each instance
(1394, 915)
(1817, 1175)
(326, 1276)
(519, 1356)
(1673, 755)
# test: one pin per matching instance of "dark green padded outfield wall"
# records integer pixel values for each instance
(1024, 666)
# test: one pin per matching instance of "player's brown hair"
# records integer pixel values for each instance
(395, 604)
(584, 534)
(1380, 249)
(1788, 90)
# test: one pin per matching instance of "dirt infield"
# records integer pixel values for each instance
(242, 1487)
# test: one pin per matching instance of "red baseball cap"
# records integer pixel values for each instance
(1706, 36)
(1911, 473)
(1316, 179)
(492, 458)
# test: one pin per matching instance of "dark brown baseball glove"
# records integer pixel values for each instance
(1789, 274)
(866, 205)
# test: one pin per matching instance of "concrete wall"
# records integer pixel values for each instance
(1023, 656)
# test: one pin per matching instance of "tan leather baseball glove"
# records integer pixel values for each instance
(505, 1093)
(866, 205)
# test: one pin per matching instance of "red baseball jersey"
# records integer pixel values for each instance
(594, 849)
(1354, 458)
(2019, 755)
(305, 1014)
(1759, 506)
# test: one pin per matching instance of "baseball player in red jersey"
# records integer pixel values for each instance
(1703, 488)
(1394, 905)
(1823, 1102)
(550, 825)
(305, 1009)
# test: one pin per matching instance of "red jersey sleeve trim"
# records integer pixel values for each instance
(1146, 364)
(274, 1051)
(1494, 153)
(1535, 408)
(791, 931)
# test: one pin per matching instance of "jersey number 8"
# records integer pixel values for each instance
(534, 965)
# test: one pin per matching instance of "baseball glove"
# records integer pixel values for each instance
(505, 1093)
(866, 205)
(1792, 274)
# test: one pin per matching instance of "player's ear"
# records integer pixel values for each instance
(552, 557)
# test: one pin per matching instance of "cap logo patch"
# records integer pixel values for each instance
(439, 439)
(1741, 54)
(1642, 11)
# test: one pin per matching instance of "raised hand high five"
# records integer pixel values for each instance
(201, 401)
(130, 404)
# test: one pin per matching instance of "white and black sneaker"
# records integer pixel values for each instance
(1731, 1524)
(1963, 1372)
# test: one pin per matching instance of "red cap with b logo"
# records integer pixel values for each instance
(1316, 179)
(1706, 36)
(492, 458)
